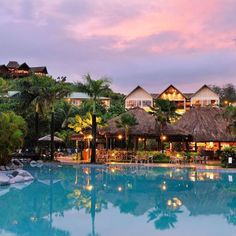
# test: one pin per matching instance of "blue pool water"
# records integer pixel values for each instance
(116, 200)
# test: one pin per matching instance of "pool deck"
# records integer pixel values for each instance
(212, 165)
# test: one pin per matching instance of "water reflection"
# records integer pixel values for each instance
(158, 196)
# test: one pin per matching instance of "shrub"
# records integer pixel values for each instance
(12, 132)
(226, 153)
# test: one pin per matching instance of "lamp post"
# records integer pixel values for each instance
(163, 139)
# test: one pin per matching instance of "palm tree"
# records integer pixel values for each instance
(32, 93)
(42, 92)
(164, 112)
(94, 89)
(53, 93)
(126, 121)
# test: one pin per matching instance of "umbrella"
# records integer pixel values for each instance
(47, 138)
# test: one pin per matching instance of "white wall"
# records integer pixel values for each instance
(205, 94)
(139, 95)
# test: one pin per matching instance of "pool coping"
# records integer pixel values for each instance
(198, 167)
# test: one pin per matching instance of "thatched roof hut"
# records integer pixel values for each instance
(146, 126)
(206, 124)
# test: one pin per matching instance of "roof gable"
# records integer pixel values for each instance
(3, 68)
(13, 65)
(136, 89)
(172, 87)
(24, 66)
(202, 88)
(39, 69)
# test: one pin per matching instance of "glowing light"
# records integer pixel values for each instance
(163, 137)
(119, 189)
(163, 186)
(89, 187)
(89, 137)
(120, 136)
(169, 202)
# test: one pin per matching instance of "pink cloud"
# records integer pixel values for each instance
(191, 19)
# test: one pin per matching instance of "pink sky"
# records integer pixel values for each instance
(151, 43)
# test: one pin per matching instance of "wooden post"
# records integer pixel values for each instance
(107, 143)
(145, 144)
(135, 143)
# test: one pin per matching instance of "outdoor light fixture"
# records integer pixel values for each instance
(163, 137)
(120, 136)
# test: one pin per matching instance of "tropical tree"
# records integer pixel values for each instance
(164, 112)
(126, 121)
(64, 113)
(227, 93)
(12, 131)
(42, 92)
(81, 123)
(230, 115)
(94, 89)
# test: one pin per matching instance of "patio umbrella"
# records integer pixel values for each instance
(47, 138)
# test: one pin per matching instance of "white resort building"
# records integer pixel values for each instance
(77, 98)
(204, 97)
(139, 97)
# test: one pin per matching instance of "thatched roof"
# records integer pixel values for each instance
(39, 69)
(13, 64)
(206, 124)
(146, 126)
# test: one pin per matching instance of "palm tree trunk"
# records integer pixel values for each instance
(94, 131)
(52, 135)
(36, 125)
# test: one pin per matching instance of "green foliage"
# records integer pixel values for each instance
(81, 123)
(161, 158)
(64, 113)
(164, 110)
(226, 93)
(65, 135)
(41, 92)
(230, 115)
(126, 120)
(228, 152)
(94, 88)
(12, 131)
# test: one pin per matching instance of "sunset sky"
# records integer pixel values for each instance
(152, 43)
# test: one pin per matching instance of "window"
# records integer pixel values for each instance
(131, 103)
(147, 103)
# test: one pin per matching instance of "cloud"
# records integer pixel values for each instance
(152, 43)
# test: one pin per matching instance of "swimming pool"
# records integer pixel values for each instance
(120, 200)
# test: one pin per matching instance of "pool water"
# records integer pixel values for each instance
(118, 200)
